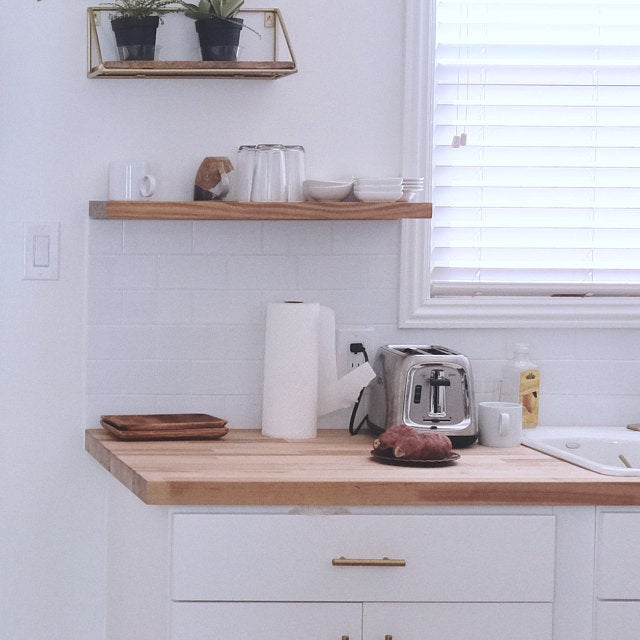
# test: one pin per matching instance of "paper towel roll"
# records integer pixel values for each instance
(300, 371)
(290, 388)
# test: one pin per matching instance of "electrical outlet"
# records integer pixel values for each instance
(269, 19)
(346, 360)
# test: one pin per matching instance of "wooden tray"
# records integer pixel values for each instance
(170, 421)
(170, 426)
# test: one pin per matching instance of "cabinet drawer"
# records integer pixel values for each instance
(448, 621)
(618, 568)
(463, 558)
(265, 620)
(617, 620)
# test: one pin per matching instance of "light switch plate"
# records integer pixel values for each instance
(41, 251)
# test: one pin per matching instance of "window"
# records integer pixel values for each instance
(537, 217)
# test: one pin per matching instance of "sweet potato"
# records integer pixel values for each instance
(423, 446)
(388, 439)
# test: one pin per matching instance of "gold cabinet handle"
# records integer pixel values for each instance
(368, 562)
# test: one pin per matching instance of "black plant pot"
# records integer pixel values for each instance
(136, 37)
(219, 38)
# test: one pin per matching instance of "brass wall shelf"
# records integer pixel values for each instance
(222, 210)
(98, 67)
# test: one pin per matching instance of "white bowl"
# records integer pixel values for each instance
(378, 188)
(378, 182)
(327, 190)
(387, 195)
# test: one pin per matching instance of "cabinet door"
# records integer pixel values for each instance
(265, 621)
(618, 621)
(618, 573)
(462, 621)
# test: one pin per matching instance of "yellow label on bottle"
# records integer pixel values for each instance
(529, 394)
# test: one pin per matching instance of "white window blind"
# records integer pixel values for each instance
(544, 197)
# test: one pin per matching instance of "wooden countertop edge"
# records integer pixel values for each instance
(365, 484)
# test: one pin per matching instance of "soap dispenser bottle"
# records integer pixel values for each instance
(521, 383)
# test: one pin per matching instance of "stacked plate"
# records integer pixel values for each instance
(410, 187)
(387, 189)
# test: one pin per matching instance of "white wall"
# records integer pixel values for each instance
(199, 312)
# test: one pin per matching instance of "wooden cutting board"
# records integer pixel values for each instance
(170, 426)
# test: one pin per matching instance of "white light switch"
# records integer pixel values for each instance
(41, 246)
(41, 251)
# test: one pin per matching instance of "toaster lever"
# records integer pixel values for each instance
(438, 405)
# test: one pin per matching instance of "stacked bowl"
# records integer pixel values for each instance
(378, 189)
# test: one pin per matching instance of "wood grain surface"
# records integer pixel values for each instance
(246, 468)
(223, 210)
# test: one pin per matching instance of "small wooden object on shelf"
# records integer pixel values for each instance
(224, 210)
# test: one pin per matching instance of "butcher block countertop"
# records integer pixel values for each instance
(246, 468)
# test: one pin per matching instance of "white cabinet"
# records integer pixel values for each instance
(618, 575)
(265, 621)
(475, 577)
(449, 621)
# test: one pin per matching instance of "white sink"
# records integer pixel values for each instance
(595, 448)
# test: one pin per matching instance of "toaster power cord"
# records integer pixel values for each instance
(357, 347)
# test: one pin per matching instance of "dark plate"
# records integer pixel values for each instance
(407, 462)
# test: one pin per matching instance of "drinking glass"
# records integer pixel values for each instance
(269, 177)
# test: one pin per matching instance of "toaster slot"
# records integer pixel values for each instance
(436, 396)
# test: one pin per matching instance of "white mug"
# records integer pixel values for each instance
(130, 181)
(500, 424)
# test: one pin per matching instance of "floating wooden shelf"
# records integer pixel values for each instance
(99, 66)
(221, 210)
(195, 69)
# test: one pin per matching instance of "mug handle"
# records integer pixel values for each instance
(505, 423)
(147, 186)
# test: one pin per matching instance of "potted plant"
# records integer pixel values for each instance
(217, 26)
(134, 24)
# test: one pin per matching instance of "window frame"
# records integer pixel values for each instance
(416, 308)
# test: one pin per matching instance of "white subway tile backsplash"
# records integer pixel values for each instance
(192, 272)
(366, 237)
(243, 343)
(105, 237)
(226, 377)
(135, 377)
(227, 306)
(262, 272)
(382, 271)
(176, 314)
(213, 405)
(118, 342)
(122, 272)
(244, 411)
(227, 237)
(164, 306)
(305, 237)
(191, 342)
(163, 236)
(332, 272)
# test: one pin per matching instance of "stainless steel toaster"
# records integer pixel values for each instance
(428, 388)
